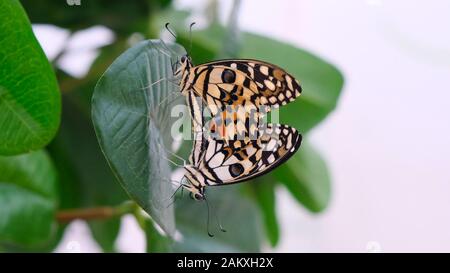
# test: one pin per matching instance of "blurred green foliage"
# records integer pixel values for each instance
(71, 172)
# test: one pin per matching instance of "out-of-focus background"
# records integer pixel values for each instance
(387, 142)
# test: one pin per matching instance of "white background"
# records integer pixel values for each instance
(387, 144)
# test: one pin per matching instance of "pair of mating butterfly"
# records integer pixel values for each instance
(229, 84)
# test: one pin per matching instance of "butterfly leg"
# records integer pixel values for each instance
(163, 155)
(177, 156)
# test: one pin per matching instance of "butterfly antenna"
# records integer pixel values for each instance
(190, 37)
(173, 195)
(170, 31)
(207, 219)
(165, 46)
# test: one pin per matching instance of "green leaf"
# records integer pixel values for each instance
(46, 247)
(264, 192)
(306, 176)
(27, 199)
(155, 241)
(29, 97)
(321, 82)
(238, 214)
(133, 125)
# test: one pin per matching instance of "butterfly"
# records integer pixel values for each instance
(227, 86)
(237, 92)
(214, 163)
(238, 82)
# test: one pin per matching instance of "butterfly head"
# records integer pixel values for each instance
(182, 71)
(182, 66)
(196, 193)
(193, 185)
(197, 196)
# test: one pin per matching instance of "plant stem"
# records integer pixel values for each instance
(95, 213)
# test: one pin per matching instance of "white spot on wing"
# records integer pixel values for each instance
(217, 160)
(269, 85)
(271, 145)
(210, 150)
(223, 174)
(264, 70)
(289, 82)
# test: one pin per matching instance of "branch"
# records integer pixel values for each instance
(95, 213)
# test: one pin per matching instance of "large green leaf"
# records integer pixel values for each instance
(131, 111)
(306, 176)
(29, 97)
(27, 199)
(239, 216)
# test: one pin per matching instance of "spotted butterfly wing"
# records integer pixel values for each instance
(221, 164)
(197, 121)
(233, 86)
(244, 82)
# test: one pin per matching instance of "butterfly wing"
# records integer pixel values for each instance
(244, 82)
(197, 120)
(221, 164)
